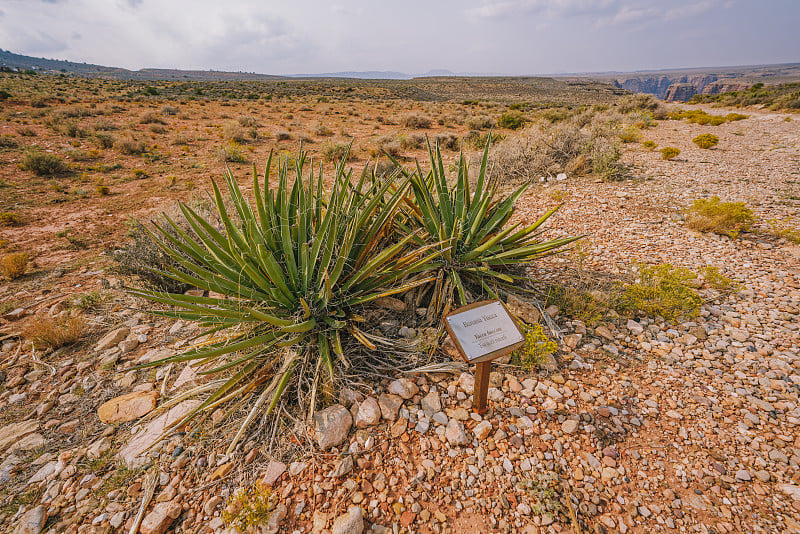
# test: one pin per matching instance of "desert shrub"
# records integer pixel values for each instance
(233, 131)
(554, 115)
(232, 153)
(778, 228)
(43, 164)
(724, 218)
(102, 190)
(8, 141)
(649, 144)
(669, 152)
(512, 120)
(478, 140)
(104, 140)
(131, 146)
(8, 218)
(337, 152)
(53, 333)
(249, 507)
(72, 112)
(718, 281)
(169, 109)
(104, 125)
(606, 160)
(412, 141)
(247, 121)
(416, 121)
(480, 122)
(322, 131)
(158, 129)
(629, 135)
(388, 144)
(733, 117)
(699, 116)
(447, 141)
(638, 102)
(283, 136)
(26, 131)
(663, 290)
(76, 154)
(706, 140)
(536, 350)
(151, 117)
(14, 265)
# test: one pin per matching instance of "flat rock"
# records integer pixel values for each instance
(431, 403)
(112, 338)
(273, 472)
(154, 430)
(331, 426)
(482, 430)
(390, 405)
(128, 407)
(13, 432)
(569, 426)
(32, 521)
(160, 518)
(467, 383)
(350, 523)
(455, 433)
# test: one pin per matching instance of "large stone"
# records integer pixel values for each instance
(482, 430)
(160, 518)
(467, 383)
(273, 473)
(188, 376)
(331, 426)
(32, 521)
(350, 523)
(523, 310)
(455, 433)
(431, 403)
(634, 327)
(569, 426)
(390, 405)
(404, 387)
(10, 434)
(99, 447)
(128, 407)
(142, 440)
(369, 413)
(112, 338)
(274, 521)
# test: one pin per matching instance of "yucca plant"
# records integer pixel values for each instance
(470, 228)
(287, 277)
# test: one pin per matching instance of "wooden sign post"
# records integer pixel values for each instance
(482, 332)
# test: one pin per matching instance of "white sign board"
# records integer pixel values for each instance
(483, 331)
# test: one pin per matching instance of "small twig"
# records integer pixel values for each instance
(149, 490)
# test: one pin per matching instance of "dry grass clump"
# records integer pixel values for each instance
(413, 141)
(782, 229)
(232, 153)
(8, 141)
(337, 152)
(480, 122)
(669, 152)
(151, 117)
(169, 110)
(417, 121)
(52, 333)
(323, 131)
(8, 218)
(724, 218)
(388, 144)
(548, 149)
(131, 146)
(283, 136)
(233, 131)
(14, 265)
(642, 102)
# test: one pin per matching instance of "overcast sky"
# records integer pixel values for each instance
(412, 36)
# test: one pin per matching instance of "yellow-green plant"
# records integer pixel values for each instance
(289, 275)
(778, 228)
(706, 140)
(724, 218)
(663, 290)
(718, 281)
(536, 349)
(249, 507)
(14, 265)
(669, 152)
(649, 144)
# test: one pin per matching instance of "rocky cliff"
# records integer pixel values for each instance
(680, 92)
(681, 87)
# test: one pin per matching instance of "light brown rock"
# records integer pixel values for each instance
(128, 407)
(160, 518)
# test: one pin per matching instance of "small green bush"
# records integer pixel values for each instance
(724, 218)
(629, 135)
(232, 153)
(10, 219)
(669, 152)
(718, 281)
(42, 164)
(337, 152)
(649, 144)
(536, 349)
(706, 140)
(663, 290)
(511, 120)
(14, 265)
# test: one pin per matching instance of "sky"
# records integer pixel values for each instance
(516, 37)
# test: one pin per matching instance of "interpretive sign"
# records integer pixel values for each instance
(482, 332)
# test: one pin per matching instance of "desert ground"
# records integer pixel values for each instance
(636, 423)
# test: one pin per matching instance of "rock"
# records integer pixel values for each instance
(791, 490)
(331, 426)
(431, 403)
(275, 519)
(15, 314)
(569, 426)
(99, 447)
(113, 338)
(467, 383)
(369, 413)
(143, 439)
(390, 405)
(482, 430)
(295, 468)
(160, 518)
(634, 327)
(403, 387)
(32, 521)
(455, 434)
(344, 467)
(523, 310)
(211, 505)
(127, 407)
(273, 472)
(350, 523)
(390, 303)
(188, 377)
(743, 474)
(12, 433)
